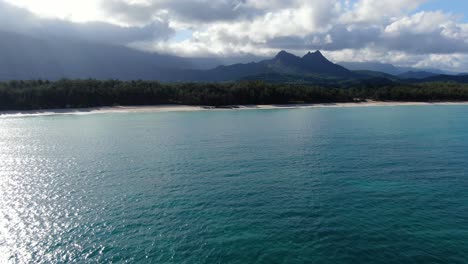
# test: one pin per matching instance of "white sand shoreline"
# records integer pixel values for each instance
(188, 108)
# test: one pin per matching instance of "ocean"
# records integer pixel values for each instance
(322, 185)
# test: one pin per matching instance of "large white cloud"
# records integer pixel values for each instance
(15, 19)
(378, 11)
(383, 30)
(426, 33)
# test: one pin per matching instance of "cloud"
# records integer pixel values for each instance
(378, 11)
(453, 62)
(18, 20)
(110, 34)
(188, 11)
(396, 31)
(426, 32)
(381, 30)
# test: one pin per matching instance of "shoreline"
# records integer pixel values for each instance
(188, 108)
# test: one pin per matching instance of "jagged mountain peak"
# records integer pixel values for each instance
(310, 63)
(317, 52)
(285, 62)
(317, 55)
(310, 55)
(285, 55)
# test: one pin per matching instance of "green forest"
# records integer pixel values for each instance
(35, 95)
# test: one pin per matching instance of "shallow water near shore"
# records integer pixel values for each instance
(317, 185)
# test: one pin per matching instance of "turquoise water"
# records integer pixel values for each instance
(329, 185)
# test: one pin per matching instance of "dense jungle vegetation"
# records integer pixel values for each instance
(32, 95)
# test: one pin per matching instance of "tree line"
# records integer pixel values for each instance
(38, 94)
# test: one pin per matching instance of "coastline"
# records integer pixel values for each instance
(188, 108)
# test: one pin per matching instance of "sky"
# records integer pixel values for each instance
(417, 33)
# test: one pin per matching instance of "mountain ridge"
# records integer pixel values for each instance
(283, 63)
(417, 75)
(388, 68)
(26, 58)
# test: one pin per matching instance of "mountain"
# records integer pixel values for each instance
(387, 68)
(375, 74)
(372, 66)
(444, 78)
(416, 75)
(284, 63)
(310, 64)
(207, 63)
(24, 57)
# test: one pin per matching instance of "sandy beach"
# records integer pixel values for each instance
(188, 108)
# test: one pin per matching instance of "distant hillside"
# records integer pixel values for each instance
(417, 75)
(372, 66)
(376, 74)
(386, 68)
(312, 65)
(24, 58)
(444, 78)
